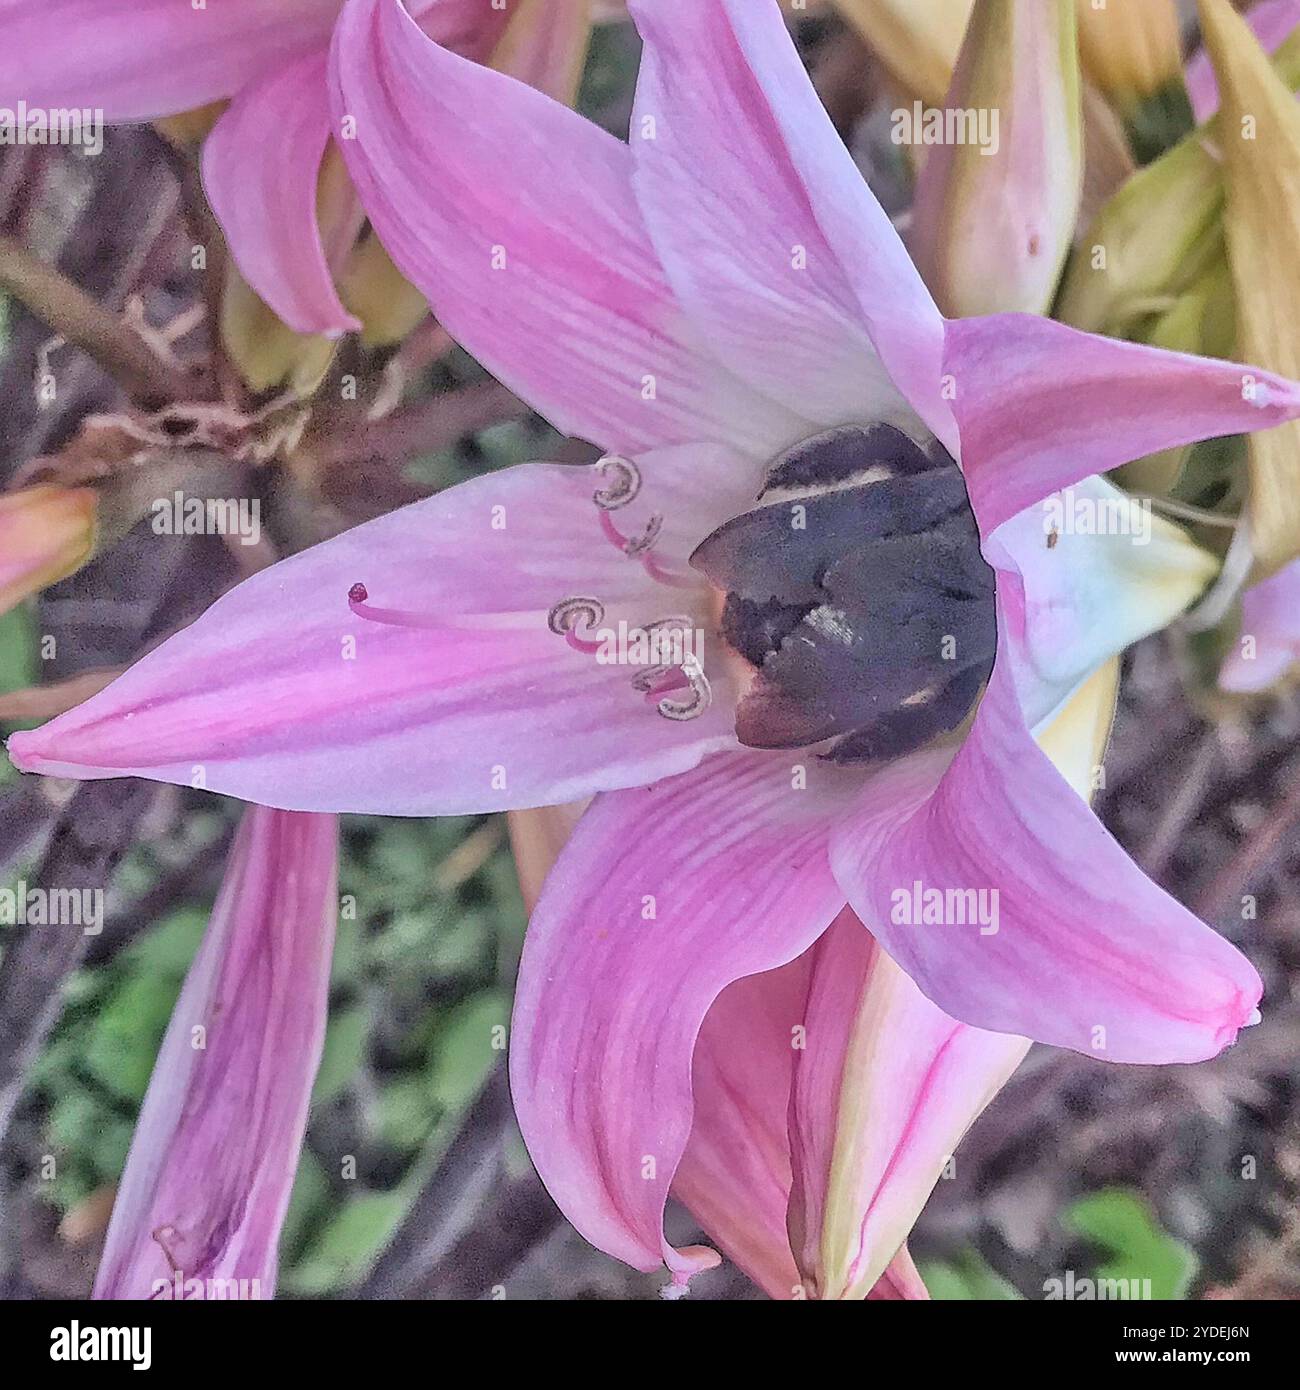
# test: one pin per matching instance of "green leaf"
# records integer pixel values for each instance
(405, 1113)
(1137, 1249)
(967, 1278)
(309, 1202)
(459, 946)
(89, 1142)
(465, 1049)
(169, 948)
(17, 667)
(346, 964)
(123, 1043)
(348, 1246)
(345, 1048)
(17, 649)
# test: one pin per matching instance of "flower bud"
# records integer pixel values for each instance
(1158, 234)
(993, 221)
(1130, 48)
(46, 533)
(1259, 144)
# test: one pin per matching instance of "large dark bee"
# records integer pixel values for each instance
(858, 593)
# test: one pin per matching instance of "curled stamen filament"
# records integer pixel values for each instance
(665, 680)
(570, 614)
(656, 682)
(660, 681)
(636, 546)
(624, 486)
(582, 644)
(640, 548)
(701, 696)
(663, 576)
(624, 482)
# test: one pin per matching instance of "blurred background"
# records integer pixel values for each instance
(1188, 1176)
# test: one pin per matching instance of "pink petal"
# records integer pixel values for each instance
(1087, 953)
(137, 59)
(1270, 620)
(516, 218)
(468, 27)
(1089, 593)
(735, 1172)
(731, 863)
(900, 317)
(208, 1178)
(1030, 393)
(1271, 20)
(901, 1281)
(260, 167)
(884, 1088)
(731, 218)
(279, 694)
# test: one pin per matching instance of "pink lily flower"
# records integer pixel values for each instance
(137, 60)
(724, 307)
(211, 1167)
(1271, 20)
